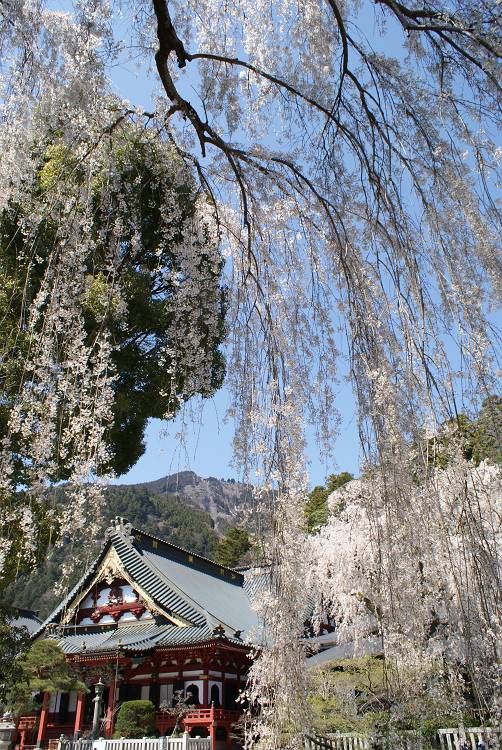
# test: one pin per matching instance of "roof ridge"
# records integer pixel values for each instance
(204, 559)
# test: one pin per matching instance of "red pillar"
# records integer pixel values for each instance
(26, 728)
(110, 718)
(212, 728)
(205, 690)
(44, 717)
(79, 715)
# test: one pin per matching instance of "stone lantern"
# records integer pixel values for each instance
(99, 688)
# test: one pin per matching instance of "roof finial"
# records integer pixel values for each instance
(120, 525)
(219, 631)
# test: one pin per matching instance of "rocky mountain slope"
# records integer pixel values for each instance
(224, 500)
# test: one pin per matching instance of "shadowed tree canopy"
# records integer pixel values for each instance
(129, 283)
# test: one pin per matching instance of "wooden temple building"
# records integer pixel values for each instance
(150, 619)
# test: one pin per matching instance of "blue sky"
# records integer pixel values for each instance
(206, 446)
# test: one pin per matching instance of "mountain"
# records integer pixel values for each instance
(183, 508)
(224, 500)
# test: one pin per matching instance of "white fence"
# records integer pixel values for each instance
(405, 740)
(339, 741)
(452, 739)
(449, 739)
(185, 742)
(346, 741)
(349, 741)
(353, 741)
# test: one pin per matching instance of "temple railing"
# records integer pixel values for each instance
(202, 715)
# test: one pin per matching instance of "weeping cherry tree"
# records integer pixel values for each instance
(342, 157)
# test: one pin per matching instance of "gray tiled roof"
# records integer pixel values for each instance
(25, 618)
(138, 637)
(152, 580)
(203, 593)
(256, 581)
(221, 601)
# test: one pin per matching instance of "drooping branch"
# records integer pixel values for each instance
(429, 19)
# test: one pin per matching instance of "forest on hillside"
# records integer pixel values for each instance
(168, 515)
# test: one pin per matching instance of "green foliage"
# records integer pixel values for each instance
(47, 670)
(316, 507)
(13, 642)
(135, 719)
(234, 545)
(42, 668)
(14, 563)
(481, 438)
(132, 177)
(335, 481)
(366, 695)
(429, 727)
(129, 186)
(348, 696)
(487, 437)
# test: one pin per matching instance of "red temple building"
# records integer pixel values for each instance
(150, 619)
